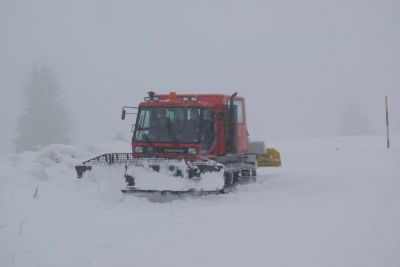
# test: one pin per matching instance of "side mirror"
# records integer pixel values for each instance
(124, 108)
(123, 114)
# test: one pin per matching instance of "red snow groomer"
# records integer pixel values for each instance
(196, 143)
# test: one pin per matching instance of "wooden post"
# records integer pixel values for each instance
(387, 122)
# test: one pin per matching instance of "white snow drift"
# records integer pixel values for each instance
(334, 202)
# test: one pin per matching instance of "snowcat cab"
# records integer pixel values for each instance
(188, 137)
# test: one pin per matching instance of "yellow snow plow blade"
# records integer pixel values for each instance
(272, 158)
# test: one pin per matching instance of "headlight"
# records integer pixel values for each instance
(192, 151)
(139, 149)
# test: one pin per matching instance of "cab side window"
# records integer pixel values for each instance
(239, 108)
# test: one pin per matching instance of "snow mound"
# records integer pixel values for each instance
(104, 183)
(60, 154)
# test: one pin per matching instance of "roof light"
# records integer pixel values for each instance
(193, 99)
(172, 96)
(192, 151)
(185, 99)
(139, 149)
(151, 99)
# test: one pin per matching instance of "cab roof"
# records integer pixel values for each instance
(173, 99)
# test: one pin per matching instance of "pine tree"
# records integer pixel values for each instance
(45, 120)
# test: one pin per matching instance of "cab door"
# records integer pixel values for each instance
(241, 126)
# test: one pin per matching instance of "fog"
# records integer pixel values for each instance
(304, 67)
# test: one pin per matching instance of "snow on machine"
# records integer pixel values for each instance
(187, 143)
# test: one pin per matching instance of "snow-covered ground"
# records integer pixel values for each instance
(335, 202)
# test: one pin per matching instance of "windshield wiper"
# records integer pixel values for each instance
(172, 133)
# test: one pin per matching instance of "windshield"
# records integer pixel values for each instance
(168, 124)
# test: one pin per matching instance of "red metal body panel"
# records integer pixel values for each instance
(215, 101)
(165, 145)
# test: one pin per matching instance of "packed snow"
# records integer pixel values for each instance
(146, 179)
(335, 202)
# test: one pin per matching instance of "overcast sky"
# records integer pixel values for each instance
(303, 66)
